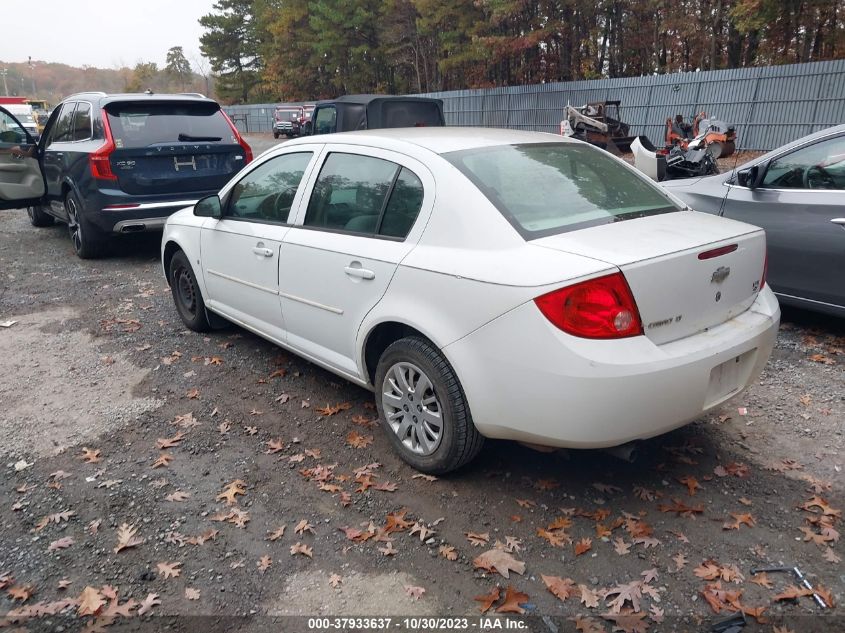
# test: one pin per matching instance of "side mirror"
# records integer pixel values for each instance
(749, 177)
(209, 207)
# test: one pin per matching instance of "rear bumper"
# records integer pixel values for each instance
(526, 380)
(113, 211)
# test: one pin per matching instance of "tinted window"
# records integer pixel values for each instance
(63, 130)
(549, 188)
(326, 121)
(411, 114)
(267, 192)
(404, 205)
(143, 124)
(350, 193)
(82, 122)
(819, 166)
(10, 132)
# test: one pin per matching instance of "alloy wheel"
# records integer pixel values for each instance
(74, 226)
(412, 409)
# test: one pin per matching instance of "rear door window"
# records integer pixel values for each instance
(63, 130)
(143, 124)
(548, 188)
(82, 122)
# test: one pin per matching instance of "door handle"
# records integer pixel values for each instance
(260, 250)
(360, 273)
(839, 221)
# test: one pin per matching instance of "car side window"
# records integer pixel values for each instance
(82, 122)
(818, 166)
(350, 193)
(326, 121)
(11, 134)
(404, 205)
(266, 193)
(63, 131)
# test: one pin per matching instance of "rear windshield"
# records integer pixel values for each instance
(549, 188)
(144, 124)
(287, 114)
(398, 113)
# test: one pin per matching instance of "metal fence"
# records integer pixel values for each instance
(769, 105)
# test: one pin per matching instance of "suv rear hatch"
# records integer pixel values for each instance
(688, 271)
(172, 147)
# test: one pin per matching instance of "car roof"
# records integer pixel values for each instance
(439, 140)
(105, 98)
(830, 131)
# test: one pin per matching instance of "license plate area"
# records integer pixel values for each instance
(729, 377)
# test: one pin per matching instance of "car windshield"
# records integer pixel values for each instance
(548, 188)
(145, 124)
(287, 115)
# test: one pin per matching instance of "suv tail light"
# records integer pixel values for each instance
(100, 160)
(601, 308)
(247, 149)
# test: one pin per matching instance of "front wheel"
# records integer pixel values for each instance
(37, 217)
(186, 294)
(423, 408)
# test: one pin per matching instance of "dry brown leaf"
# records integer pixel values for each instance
(274, 446)
(20, 592)
(589, 598)
(237, 487)
(761, 579)
(90, 602)
(583, 546)
(126, 537)
(177, 496)
(192, 594)
(680, 561)
(499, 561)
(448, 552)
(830, 556)
(414, 592)
(691, 483)
(388, 550)
(148, 603)
(170, 442)
(90, 455)
(476, 539)
(335, 581)
(300, 548)
(264, 563)
(163, 460)
(487, 600)
(621, 547)
(513, 599)
(355, 440)
(276, 534)
(62, 543)
(303, 526)
(169, 570)
(793, 592)
(423, 531)
(560, 587)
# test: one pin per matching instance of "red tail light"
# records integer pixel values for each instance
(601, 308)
(247, 149)
(765, 269)
(100, 161)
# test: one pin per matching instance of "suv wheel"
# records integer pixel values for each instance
(186, 294)
(275, 135)
(38, 218)
(423, 409)
(88, 242)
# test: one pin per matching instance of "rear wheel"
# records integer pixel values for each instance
(423, 408)
(37, 217)
(186, 294)
(88, 242)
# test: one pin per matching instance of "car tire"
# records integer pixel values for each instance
(275, 135)
(38, 218)
(442, 400)
(88, 242)
(186, 294)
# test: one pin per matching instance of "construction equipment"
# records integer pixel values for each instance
(713, 134)
(598, 123)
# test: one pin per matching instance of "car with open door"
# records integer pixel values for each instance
(797, 194)
(483, 283)
(121, 163)
(21, 180)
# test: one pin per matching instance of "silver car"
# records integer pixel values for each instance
(796, 193)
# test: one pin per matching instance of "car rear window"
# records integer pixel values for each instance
(144, 124)
(548, 188)
(287, 114)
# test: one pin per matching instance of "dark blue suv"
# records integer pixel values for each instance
(114, 164)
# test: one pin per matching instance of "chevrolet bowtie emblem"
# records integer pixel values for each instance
(720, 274)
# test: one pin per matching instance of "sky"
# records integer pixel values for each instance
(101, 34)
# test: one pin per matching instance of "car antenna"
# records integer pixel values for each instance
(736, 160)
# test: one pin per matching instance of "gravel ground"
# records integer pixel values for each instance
(99, 374)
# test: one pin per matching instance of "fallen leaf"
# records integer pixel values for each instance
(274, 446)
(64, 583)
(513, 599)
(300, 548)
(148, 603)
(192, 594)
(276, 534)
(414, 592)
(621, 547)
(177, 496)
(830, 556)
(169, 570)
(303, 526)
(448, 552)
(589, 598)
(423, 531)
(476, 539)
(388, 550)
(163, 460)
(583, 546)
(62, 543)
(499, 561)
(355, 440)
(630, 592)
(680, 561)
(487, 600)
(560, 587)
(792, 592)
(691, 483)
(264, 563)
(761, 579)
(20, 592)
(229, 493)
(90, 455)
(126, 537)
(170, 442)
(192, 394)
(335, 581)
(90, 602)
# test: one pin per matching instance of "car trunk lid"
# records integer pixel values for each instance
(687, 271)
(172, 147)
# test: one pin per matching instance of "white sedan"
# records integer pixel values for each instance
(483, 283)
